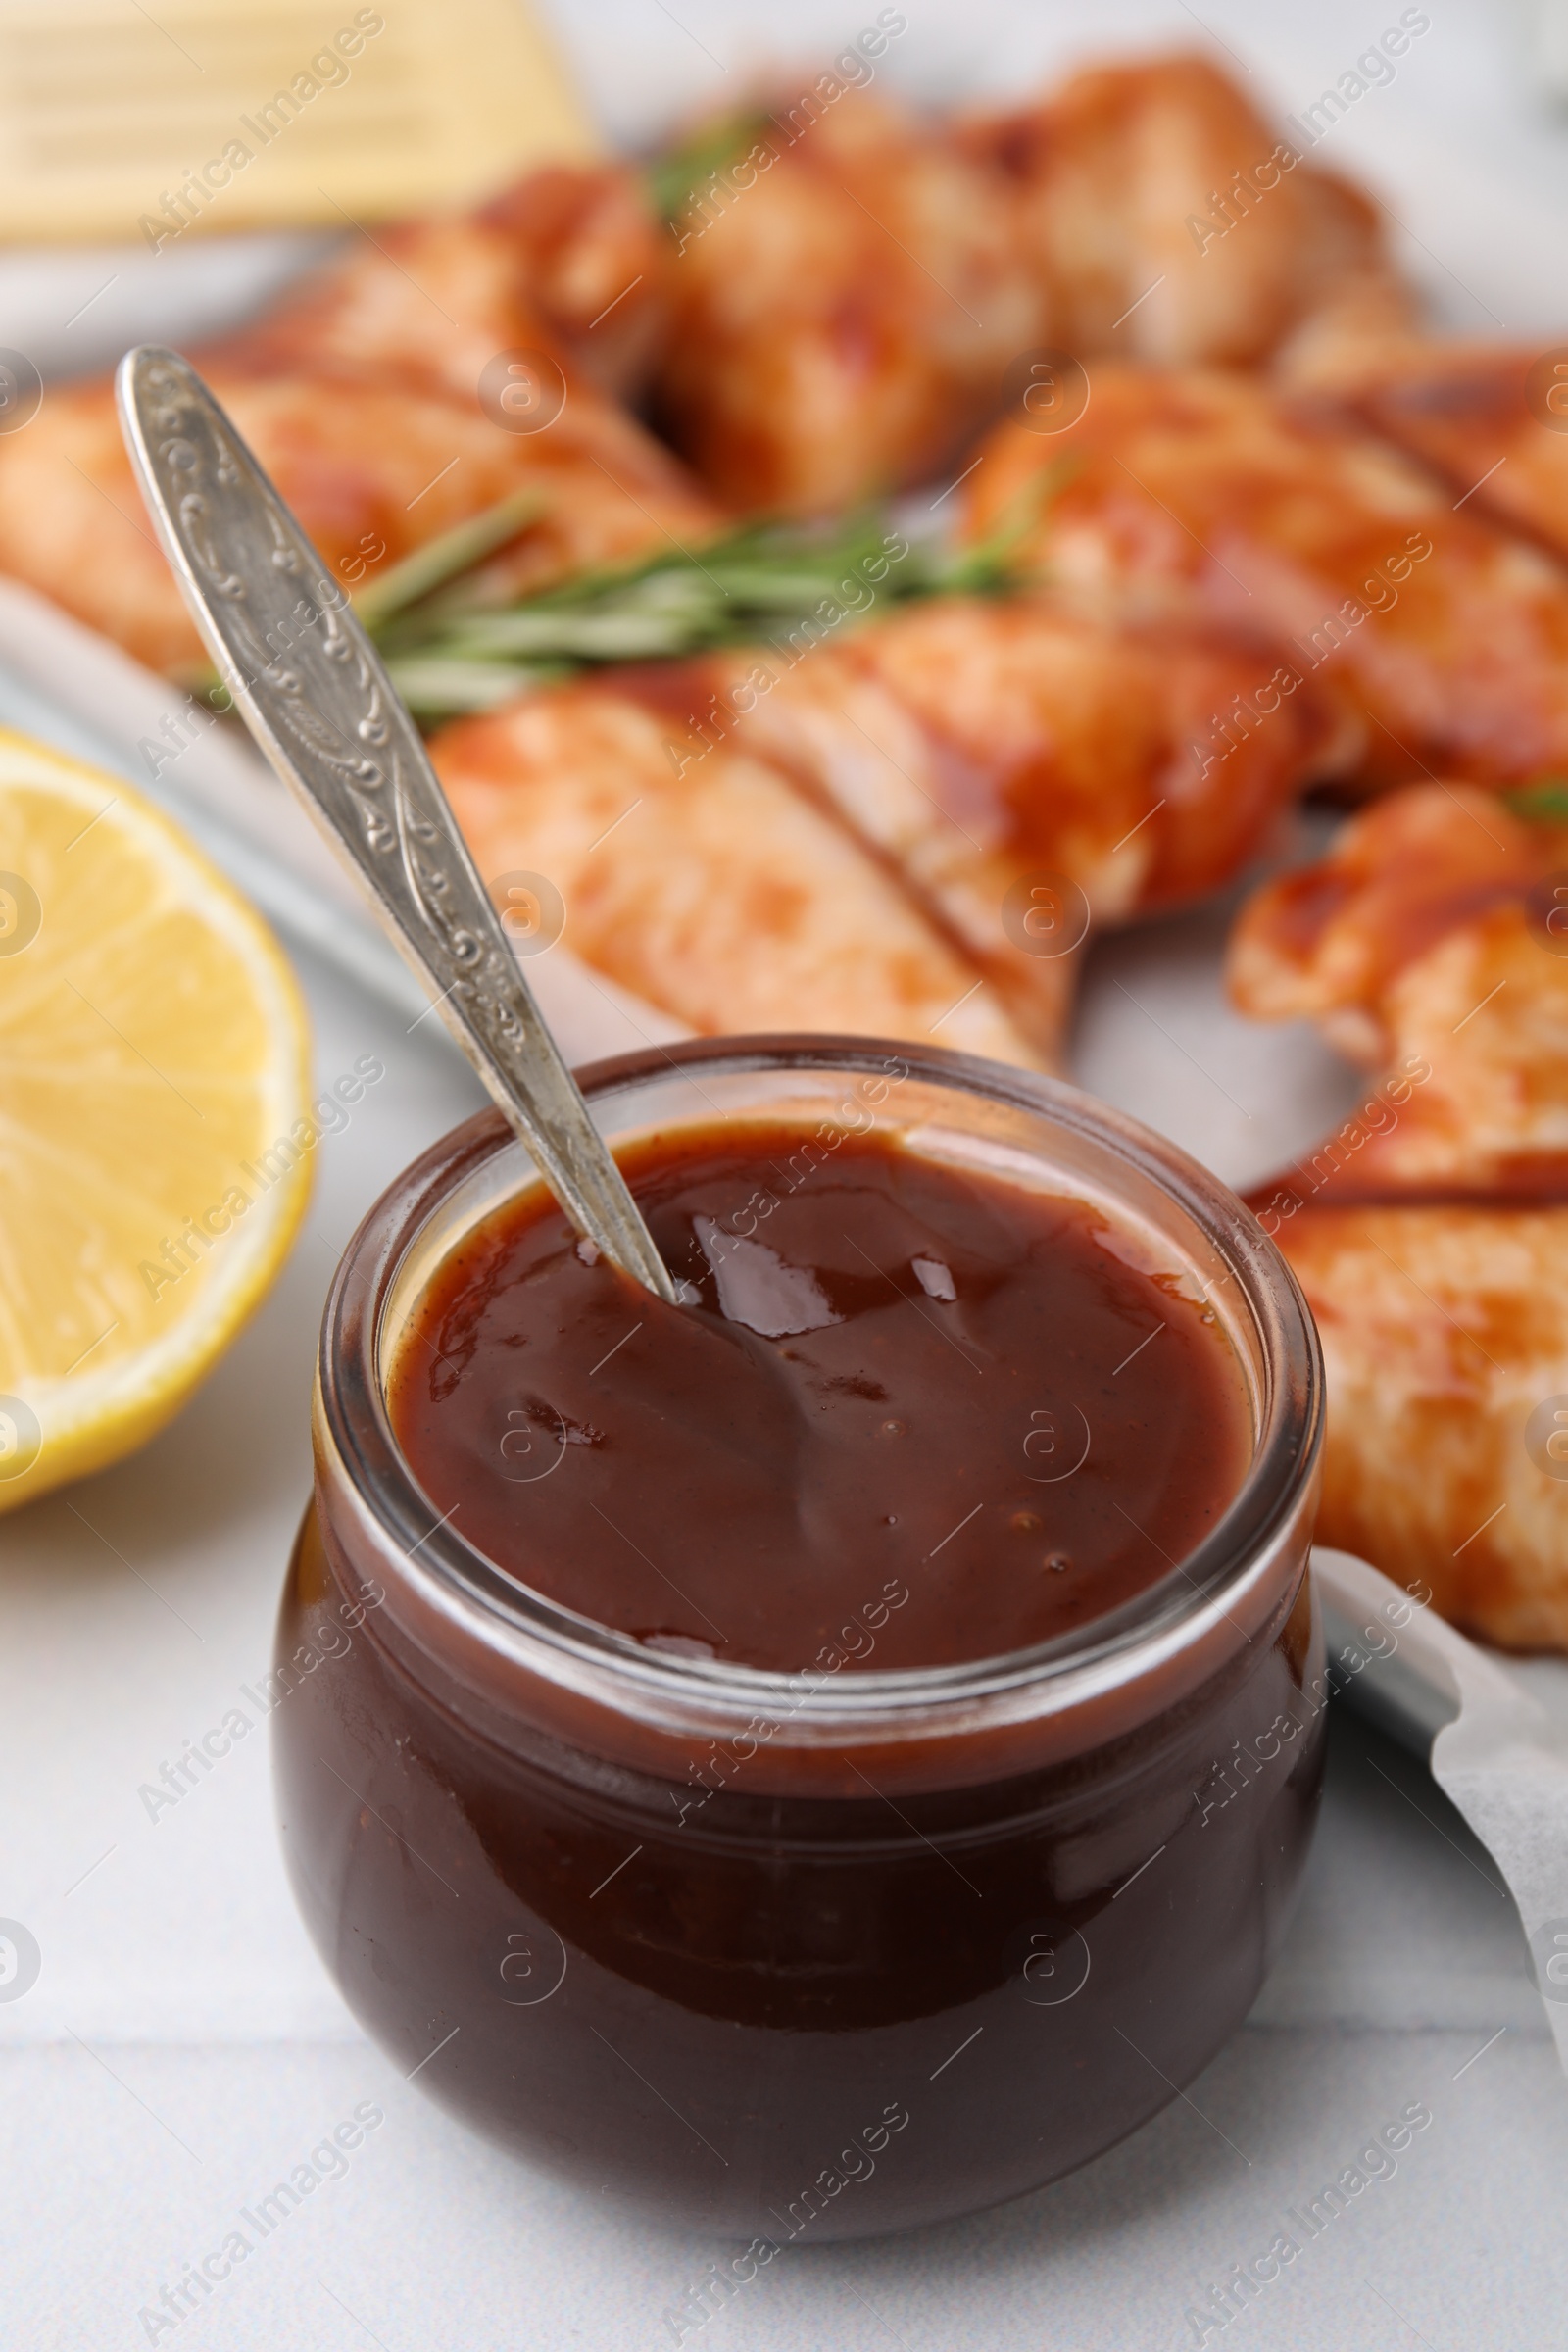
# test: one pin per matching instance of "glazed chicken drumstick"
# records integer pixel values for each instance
(1491, 418)
(843, 312)
(359, 395)
(1029, 770)
(1443, 638)
(1430, 1233)
(1167, 221)
(908, 832)
(854, 289)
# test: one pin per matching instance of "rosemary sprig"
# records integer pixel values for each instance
(454, 644)
(443, 559)
(673, 179)
(764, 580)
(1542, 803)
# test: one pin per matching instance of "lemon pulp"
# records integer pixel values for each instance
(154, 1078)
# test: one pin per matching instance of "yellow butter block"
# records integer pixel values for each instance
(118, 124)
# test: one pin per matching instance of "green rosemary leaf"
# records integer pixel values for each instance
(673, 179)
(673, 602)
(443, 558)
(582, 637)
(450, 651)
(436, 689)
(991, 564)
(1543, 802)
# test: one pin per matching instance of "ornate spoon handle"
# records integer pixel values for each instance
(311, 688)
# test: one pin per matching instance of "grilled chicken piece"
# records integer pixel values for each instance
(844, 311)
(1447, 638)
(371, 472)
(359, 394)
(1167, 220)
(717, 893)
(853, 290)
(1431, 943)
(1368, 322)
(1446, 1336)
(1430, 1233)
(1025, 769)
(1491, 419)
(570, 258)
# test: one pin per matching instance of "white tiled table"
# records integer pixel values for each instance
(183, 2046)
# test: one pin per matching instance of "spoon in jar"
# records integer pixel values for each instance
(312, 689)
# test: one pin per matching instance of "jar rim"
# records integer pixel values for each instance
(463, 1585)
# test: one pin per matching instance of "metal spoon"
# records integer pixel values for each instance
(312, 689)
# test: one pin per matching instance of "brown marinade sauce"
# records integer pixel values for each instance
(911, 1415)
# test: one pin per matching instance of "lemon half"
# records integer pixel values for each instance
(154, 1139)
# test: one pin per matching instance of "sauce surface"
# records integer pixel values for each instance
(911, 1415)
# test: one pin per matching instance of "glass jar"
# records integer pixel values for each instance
(798, 1957)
